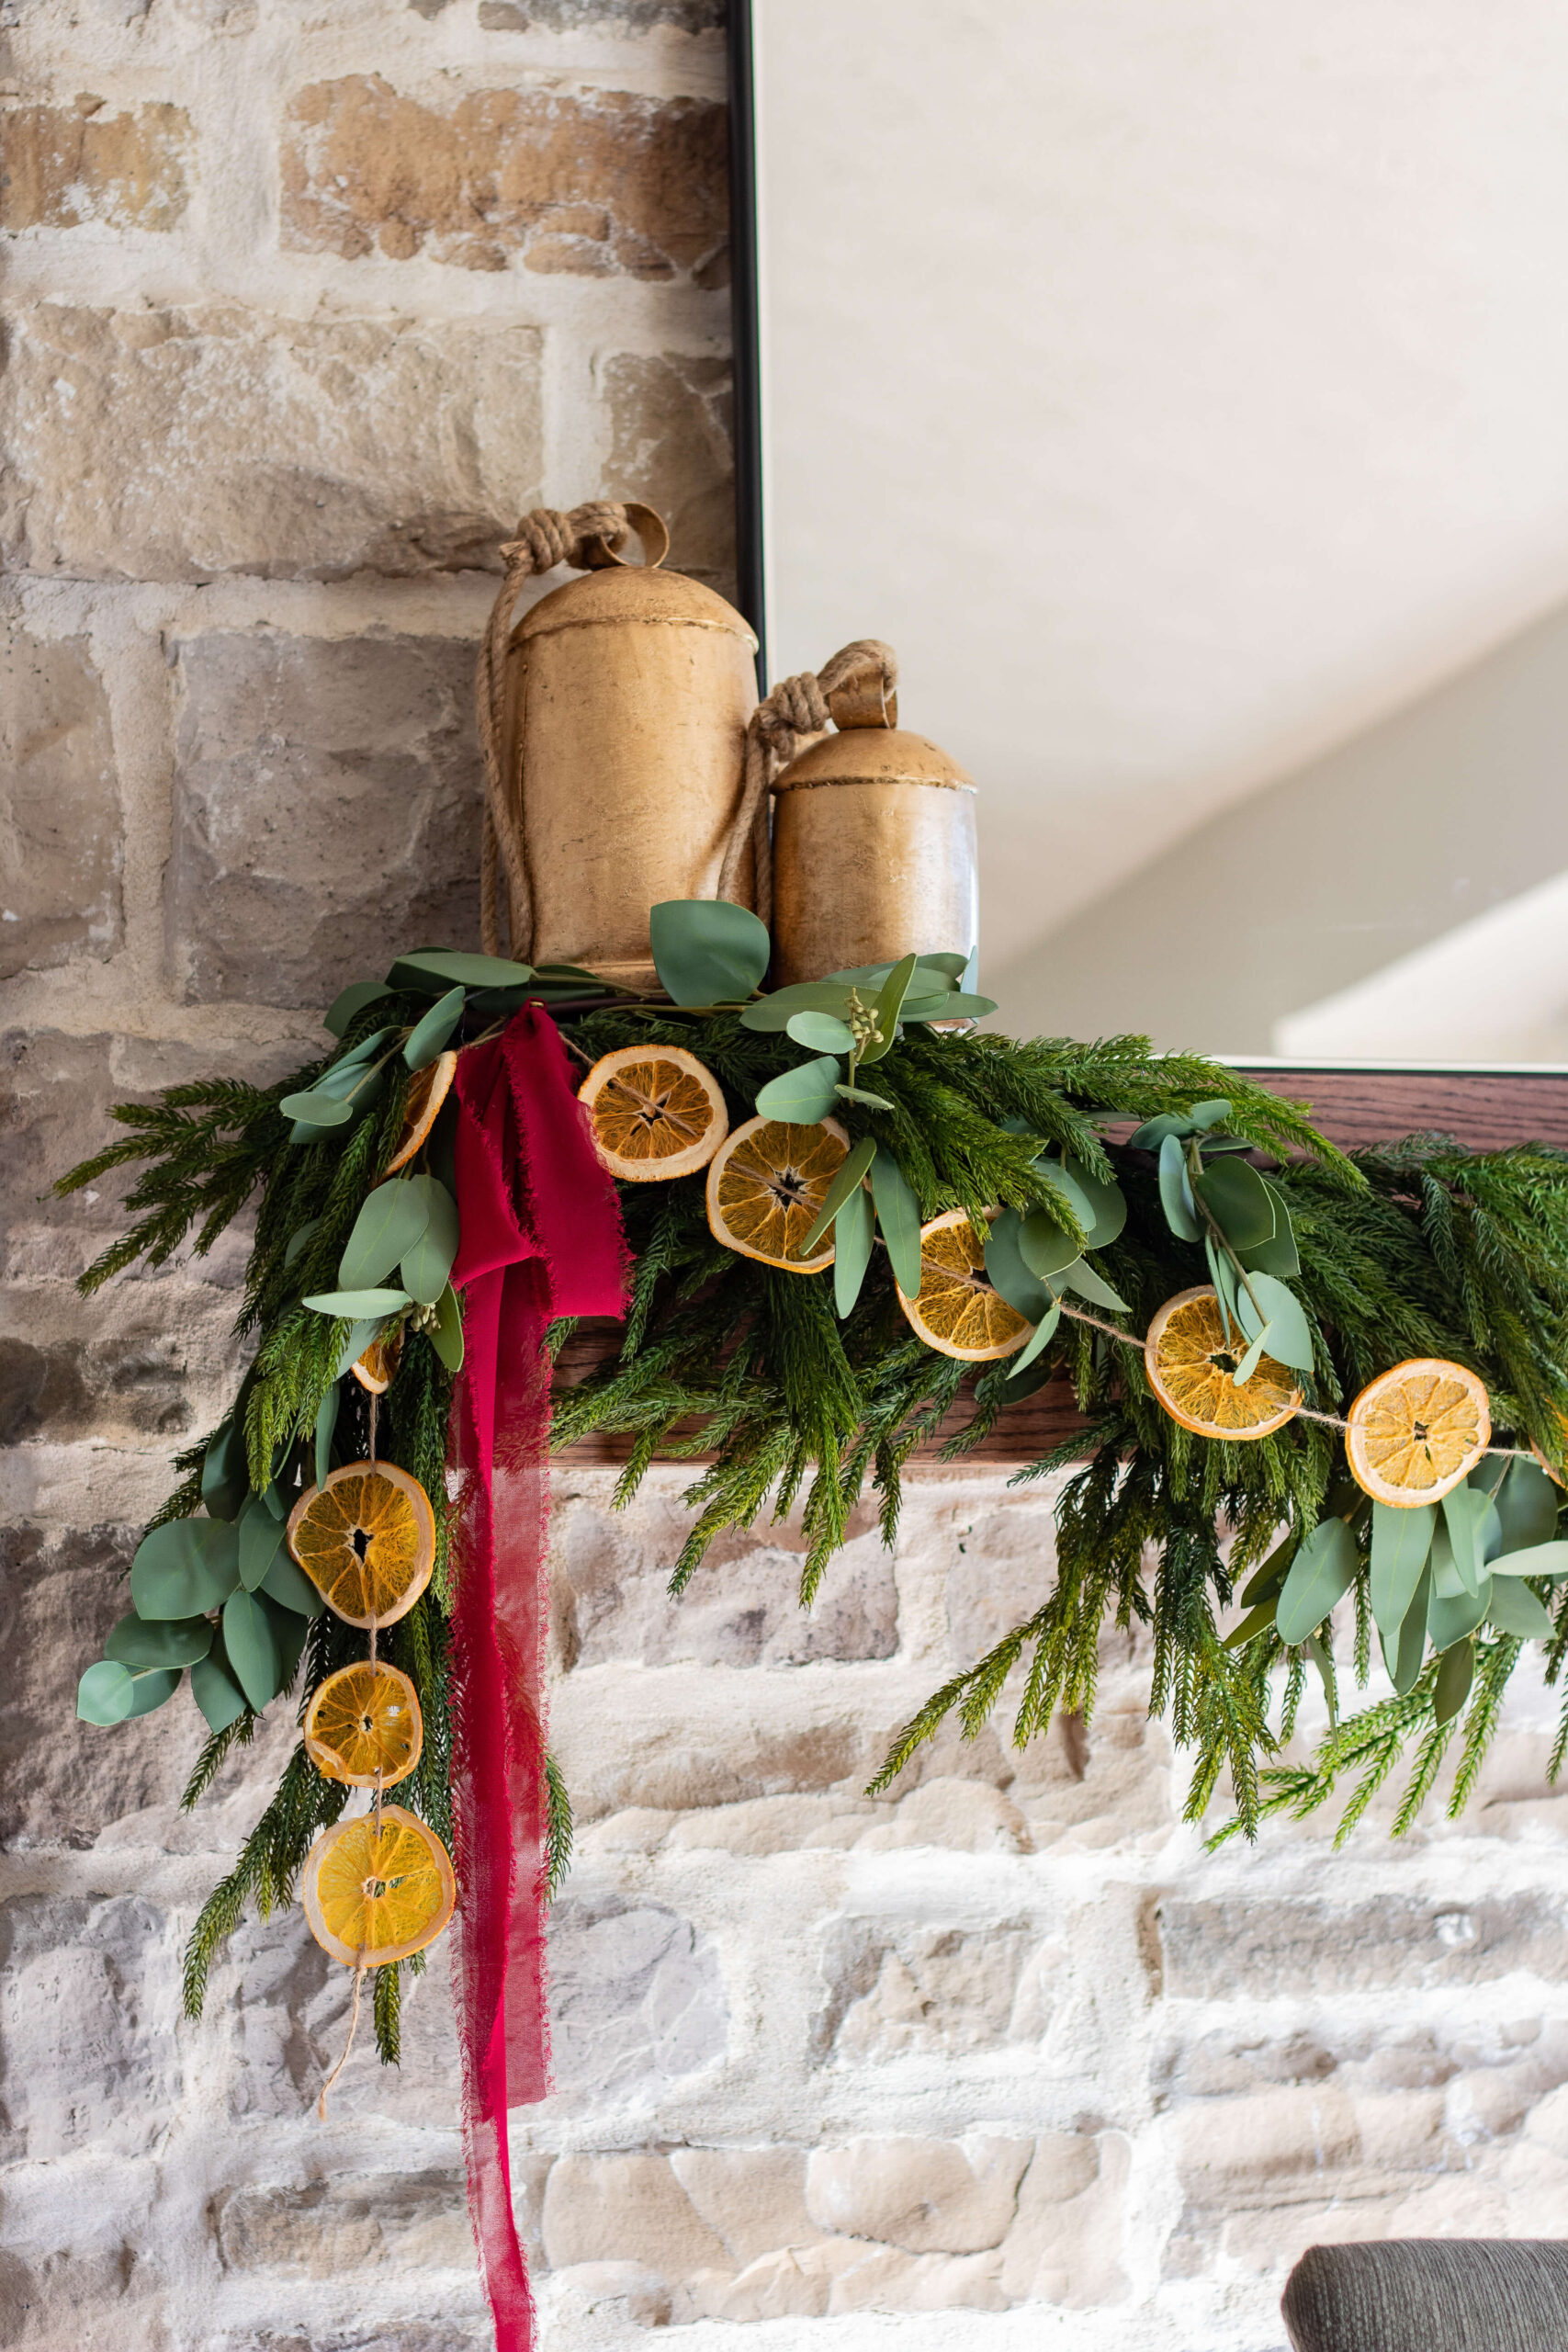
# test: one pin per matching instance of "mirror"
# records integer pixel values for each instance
(1180, 390)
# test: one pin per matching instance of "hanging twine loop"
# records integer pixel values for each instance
(860, 683)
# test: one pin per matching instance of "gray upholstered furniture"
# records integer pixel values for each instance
(1431, 2295)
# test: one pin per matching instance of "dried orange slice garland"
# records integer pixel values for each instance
(376, 1368)
(766, 1186)
(364, 1727)
(1417, 1431)
(366, 1537)
(957, 1311)
(1191, 1355)
(655, 1113)
(427, 1090)
(378, 1888)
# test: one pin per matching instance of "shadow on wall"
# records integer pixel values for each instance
(1404, 896)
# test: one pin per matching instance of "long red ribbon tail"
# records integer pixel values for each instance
(541, 1235)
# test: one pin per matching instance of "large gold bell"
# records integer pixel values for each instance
(874, 846)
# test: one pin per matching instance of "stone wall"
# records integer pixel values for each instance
(304, 305)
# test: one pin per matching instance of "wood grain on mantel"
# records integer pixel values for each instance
(1485, 1109)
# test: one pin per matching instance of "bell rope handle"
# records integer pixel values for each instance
(858, 686)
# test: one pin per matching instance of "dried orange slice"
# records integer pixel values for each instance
(363, 1720)
(428, 1088)
(371, 1894)
(366, 1538)
(766, 1185)
(957, 1312)
(656, 1111)
(1418, 1432)
(1189, 1355)
(377, 1368)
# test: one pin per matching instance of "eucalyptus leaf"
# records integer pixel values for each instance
(889, 1004)
(1528, 1504)
(851, 1249)
(1155, 1133)
(326, 1425)
(1101, 1207)
(863, 1094)
(1176, 1192)
(289, 1632)
(225, 1473)
(1408, 1653)
(1267, 1582)
(426, 1266)
(1277, 1256)
(1212, 1113)
(959, 1004)
(104, 1695)
(1322, 1657)
(152, 1687)
(708, 950)
(428, 1037)
(251, 1645)
(1514, 1609)
(1011, 1278)
(898, 1214)
(1447, 1582)
(821, 1031)
(215, 1691)
(1039, 1339)
(357, 1304)
(1248, 1364)
(1464, 1515)
(1238, 1200)
(1550, 1560)
(802, 1096)
(354, 1062)
(844, 1184)
(1455, 1676)
(261, 1541)
(1454, 1620)
(360, 1334)
(352, 999)
(1045, 1247)
(299, 1239)
(316, 1110)
(1401, 1543)
(432, 971)
(1290, 1334)
(292, 1589)
(947, 969)
(390, 1221)
(168, 1642)
(1227, 1288)
(185, 1567)
(446, 1334)
(1321, 1574)
(1094, 1287)
(771, 1015)
(1256, 1621)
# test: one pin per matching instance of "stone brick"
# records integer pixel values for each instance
(796, 2282)
(965, 1816)
(608, 2293)
(575, 16)
(611, 1598)
(917, 1988)
(1323, 1947)
(638, 2000)
(60, 2298)
(69, 1389)
(887, 2281)
(403, 2220)
(1064, 2245)
(182, 443)
(670, 447)
(62, 841)
(753, 2199)
(926, 2196)
(626, 2209)
(89, 1992)
(61, 166)
(595, 183)
(326, 812)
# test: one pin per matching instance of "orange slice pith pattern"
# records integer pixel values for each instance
(364, 1718)
(957, 1311)
(375, 1894)
(380, 1574)
(768, 1185)
(654, 1112)
(1418, 1430)
(1191, 1356)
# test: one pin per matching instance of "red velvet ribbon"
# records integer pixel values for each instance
(541, 1235)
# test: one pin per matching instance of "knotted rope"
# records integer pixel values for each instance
(795, 712)
(545, 539)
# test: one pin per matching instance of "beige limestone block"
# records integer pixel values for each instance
(595, 183)
(938, 1989)
(407, 2221)
(83, 2065)
(60, 166)
(890, 2282)
(570, 15)
(794, 2282)
(1064, 2245)
(1320, 1947)
(60, 833)
(636, 1995)
(671, 446)
(611, 2292)
(170, 444)
(967, 1815)
(626, 2209)
(754, 2198)
(1230, 2146)
(925, 2196)
(769, 1825)
(326, 812)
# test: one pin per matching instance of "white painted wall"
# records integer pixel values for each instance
(1179, 385)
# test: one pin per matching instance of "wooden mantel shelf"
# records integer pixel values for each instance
(1487, 1110)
